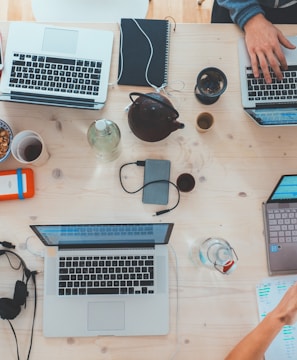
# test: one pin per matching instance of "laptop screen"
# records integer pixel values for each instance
(274, 116)
(286, 189)
(110, 235)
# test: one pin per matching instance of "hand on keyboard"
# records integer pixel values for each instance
(263, 41)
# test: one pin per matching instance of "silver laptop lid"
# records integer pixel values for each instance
(104, 235)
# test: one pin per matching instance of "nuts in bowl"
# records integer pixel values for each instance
(5, 140)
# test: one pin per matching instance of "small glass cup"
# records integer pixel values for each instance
(210, 85)
(215, 253)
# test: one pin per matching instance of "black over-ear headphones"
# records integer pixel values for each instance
(11, 307)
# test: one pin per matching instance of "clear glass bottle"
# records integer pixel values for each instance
(104, 137)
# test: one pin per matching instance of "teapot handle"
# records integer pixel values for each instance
(154, 99)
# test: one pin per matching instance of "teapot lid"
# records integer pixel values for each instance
(162, 100)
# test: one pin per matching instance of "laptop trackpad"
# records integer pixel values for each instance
(106, 315)
(60, 40)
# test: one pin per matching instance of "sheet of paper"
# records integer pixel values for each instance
(269, 293)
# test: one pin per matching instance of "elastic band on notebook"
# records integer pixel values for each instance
(20, 184)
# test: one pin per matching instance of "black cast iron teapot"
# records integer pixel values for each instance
(152, 117)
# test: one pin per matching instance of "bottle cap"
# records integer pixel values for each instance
(229, 267)
(100, 125)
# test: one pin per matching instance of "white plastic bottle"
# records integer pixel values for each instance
(104, 137)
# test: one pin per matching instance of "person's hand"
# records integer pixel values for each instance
(263, 41)
(286, 310)
(255, 343)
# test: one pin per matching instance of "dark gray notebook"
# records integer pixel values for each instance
(144, 47)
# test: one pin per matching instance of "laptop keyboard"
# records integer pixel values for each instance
(279, 90)
(282, 225)
(106, 275)
(43, 73)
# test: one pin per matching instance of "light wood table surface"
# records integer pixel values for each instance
(236, 166)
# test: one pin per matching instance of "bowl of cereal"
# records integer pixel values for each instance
(6, 136)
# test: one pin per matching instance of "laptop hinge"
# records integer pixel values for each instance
(267, 106)
(107, 247)
(53, 100)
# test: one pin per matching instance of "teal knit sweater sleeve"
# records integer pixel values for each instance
(241, 11)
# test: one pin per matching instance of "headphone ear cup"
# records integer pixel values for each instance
(9, 309)
(20, 293)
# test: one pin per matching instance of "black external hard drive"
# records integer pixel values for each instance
(156, 193)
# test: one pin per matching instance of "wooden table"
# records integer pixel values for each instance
(236, 166)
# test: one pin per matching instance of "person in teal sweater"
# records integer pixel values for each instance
(263, 39)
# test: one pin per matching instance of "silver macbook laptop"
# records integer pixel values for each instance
(105, 279)
(269, 104)
(51, 65)
(280, 219)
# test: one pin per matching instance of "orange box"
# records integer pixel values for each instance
(16, 184)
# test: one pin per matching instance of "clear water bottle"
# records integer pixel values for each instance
(218, 253)
(104, 137)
